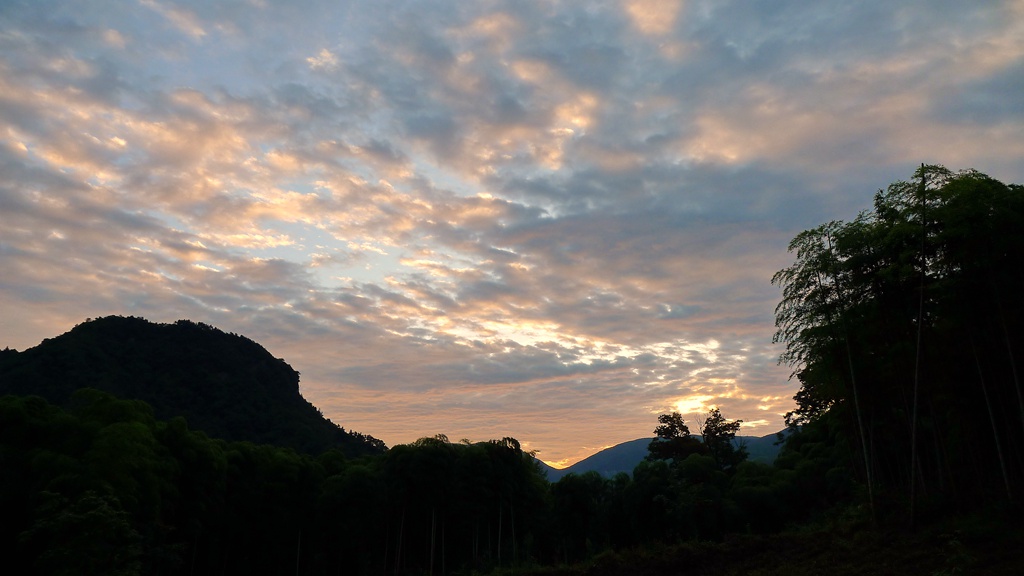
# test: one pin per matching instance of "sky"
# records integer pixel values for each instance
(543, 219)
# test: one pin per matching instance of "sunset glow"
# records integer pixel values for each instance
(546, 220)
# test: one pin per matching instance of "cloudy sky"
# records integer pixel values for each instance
(543, 219)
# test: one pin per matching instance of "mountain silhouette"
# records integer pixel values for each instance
(223, 384)
(625, 456)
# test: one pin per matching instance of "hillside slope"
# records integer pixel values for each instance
(223, 384)
(624, 457)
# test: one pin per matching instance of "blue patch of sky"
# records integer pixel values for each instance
(446, 180)
(339, 262)
(168, 220)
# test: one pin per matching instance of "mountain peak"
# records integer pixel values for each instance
(224, 384)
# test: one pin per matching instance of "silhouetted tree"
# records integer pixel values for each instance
(719, 436)
(903, 321)
(673, 441)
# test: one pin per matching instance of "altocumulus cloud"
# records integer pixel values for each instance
(545, 220)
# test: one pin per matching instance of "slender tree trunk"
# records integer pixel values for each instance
(1010, 354)
(853, 384)
(515, 552)
(992, 420)
(341, 555)
(476, 542)
(387, 543)
(940, 461)
(398, 551)
(860, 426)
(917, 360)
(195, 546)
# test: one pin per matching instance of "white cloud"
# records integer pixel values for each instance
(324, 60)
(547, 211)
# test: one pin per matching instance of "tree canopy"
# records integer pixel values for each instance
(719, 436)
(673, 440)
(903, 327)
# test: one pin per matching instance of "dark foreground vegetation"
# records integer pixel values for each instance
(905, 454)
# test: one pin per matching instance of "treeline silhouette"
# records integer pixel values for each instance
(104, 487)
(904, 330)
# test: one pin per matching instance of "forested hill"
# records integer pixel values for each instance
(223, 384)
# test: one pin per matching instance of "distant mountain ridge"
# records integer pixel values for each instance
(225, 385)
(625, 456)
